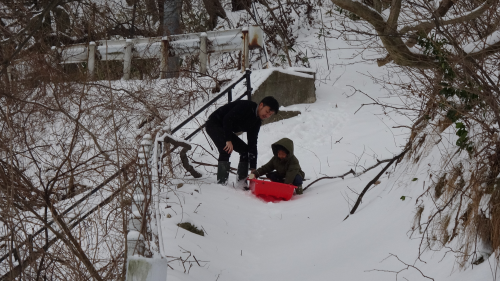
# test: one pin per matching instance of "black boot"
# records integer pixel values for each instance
(299, 190)
(242, 175)
(242, 170)
(223, 172)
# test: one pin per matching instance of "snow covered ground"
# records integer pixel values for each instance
(307, 237)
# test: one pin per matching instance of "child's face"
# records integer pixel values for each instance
(281, 154)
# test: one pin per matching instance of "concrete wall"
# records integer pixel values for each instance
(282, 115)
(146, 269)
(288, 87)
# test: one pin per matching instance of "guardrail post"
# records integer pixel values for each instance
(9, 73)
(203, 53)
(127, 60)
(249, 85)
(135, 239)
(163, 59)
(91, 59)
(56, 55)
(244, 50)
(230, 95)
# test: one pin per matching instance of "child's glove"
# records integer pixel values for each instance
(251, 176)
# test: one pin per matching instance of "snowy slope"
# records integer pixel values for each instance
(307, 238)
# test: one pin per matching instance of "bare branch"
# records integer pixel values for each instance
(427, 26)
(392, 21)
(185, 161)
(356, 205)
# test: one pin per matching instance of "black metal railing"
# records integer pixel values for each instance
(65, 212)
(229, 92)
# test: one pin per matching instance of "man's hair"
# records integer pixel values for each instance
(272, 103)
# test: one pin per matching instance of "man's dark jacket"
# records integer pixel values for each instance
(239, 116)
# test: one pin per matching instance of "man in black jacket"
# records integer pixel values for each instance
(234, 117)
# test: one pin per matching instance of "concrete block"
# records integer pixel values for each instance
(282, 115)
(288, 87)
(146, 269)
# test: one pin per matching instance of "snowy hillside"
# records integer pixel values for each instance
(307, 237)
(94, 186)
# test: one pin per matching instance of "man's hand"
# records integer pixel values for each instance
(229, 147)
(251, 176)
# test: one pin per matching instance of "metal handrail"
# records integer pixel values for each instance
(203, 126)
(227, 91)
(74, 205)
(16, 271)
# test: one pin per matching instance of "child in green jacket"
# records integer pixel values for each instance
(284, 167)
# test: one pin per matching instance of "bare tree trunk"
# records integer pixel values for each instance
(239, 5)
(214, 9)
(281, 31)
(171, 26)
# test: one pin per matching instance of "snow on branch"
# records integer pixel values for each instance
(488, 44)
(467, 17)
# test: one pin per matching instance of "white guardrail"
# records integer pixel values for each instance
(241, 39)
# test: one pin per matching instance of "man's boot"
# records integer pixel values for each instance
(223, 172)
(241, 176)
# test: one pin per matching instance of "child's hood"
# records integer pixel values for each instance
(285, 143)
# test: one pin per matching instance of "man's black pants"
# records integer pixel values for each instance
(217, 136)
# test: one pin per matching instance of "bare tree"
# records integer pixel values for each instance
(449, 50)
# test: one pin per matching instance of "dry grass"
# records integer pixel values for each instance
(417, 218)
(438, 189)
(191, 228)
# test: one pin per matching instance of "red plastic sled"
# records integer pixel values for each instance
(271, 191)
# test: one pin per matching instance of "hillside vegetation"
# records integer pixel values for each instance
(429, 69)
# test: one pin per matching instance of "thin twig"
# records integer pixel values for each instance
(355, 207)
(341, 176)
(352, 172)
